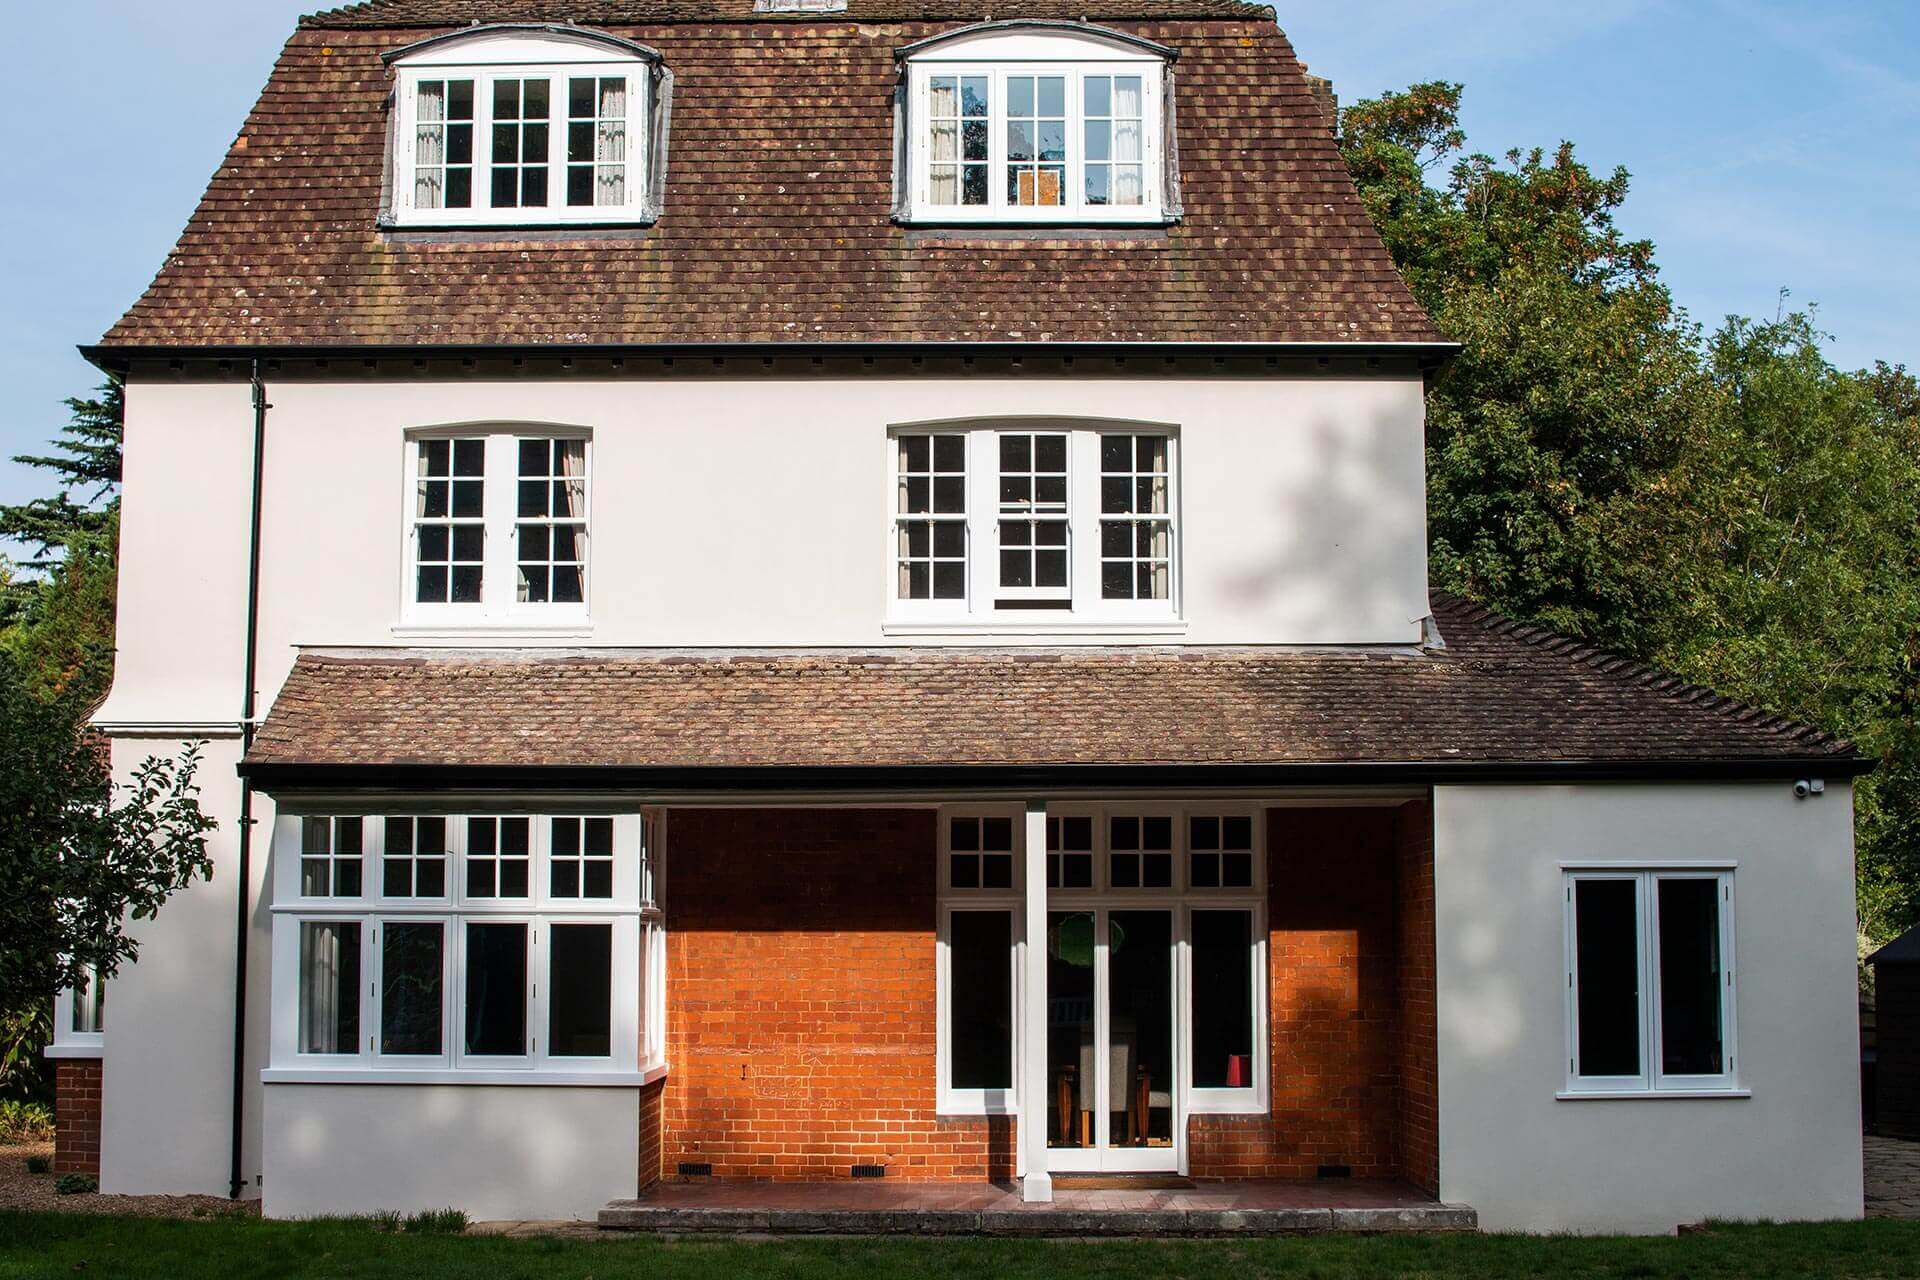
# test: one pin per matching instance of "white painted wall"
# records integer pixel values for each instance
(495, 1152)
(166, 1097)
(738, 512)
(1530, 1162)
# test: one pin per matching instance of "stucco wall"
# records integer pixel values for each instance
(738, 512)
(1531, 1162)
(496, 1152)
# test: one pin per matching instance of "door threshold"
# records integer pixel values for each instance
(1121, 1182)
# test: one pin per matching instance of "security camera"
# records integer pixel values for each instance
(1802, 789)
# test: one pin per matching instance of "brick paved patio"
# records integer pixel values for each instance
(1893, 1178)
(905, 1208)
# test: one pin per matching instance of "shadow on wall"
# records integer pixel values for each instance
(1347, 542)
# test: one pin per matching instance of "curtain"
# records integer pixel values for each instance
(1128, 172)
(320, 988)
(610, 149)
(429, 149)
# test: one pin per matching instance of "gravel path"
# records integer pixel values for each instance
(34, 1192)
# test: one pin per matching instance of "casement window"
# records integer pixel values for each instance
(492, 946)
(80, 1019)
(1176, 890)
(1650, 981)
(497, 528)
(1037, 122)
(504, 127)
(1016, 526)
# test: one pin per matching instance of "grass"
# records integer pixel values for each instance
(46, 1245)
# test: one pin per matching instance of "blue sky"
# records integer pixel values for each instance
(1773, 145)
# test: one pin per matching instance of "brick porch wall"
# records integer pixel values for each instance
(651, 1104)
(800, 1024)
(1348, 891)
(76, 1116)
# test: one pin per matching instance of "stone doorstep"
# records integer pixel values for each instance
(638, 1215)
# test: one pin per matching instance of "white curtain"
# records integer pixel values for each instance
(1128, 171)
(429, 148)
(610, 146)
(320, 945)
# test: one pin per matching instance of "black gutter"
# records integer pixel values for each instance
(275, 776)
(243, 890)
(117, 357)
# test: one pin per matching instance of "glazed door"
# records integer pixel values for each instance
(1112, 1101)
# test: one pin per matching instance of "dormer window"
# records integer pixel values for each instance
(524, 126)
(1036, 122)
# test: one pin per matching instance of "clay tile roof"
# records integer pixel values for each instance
(1496, 694)
(776, 225)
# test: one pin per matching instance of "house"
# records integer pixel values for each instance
(837, 589)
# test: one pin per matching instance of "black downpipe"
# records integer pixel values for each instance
(236, 1182)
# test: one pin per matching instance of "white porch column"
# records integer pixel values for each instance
(1037, 1185)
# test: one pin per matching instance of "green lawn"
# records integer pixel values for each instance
(68, 1246)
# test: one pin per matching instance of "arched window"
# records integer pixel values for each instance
(524, 125)
(1037, 122)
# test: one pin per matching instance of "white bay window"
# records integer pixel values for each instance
(1020, 526)
(535, 951)
(506, 126)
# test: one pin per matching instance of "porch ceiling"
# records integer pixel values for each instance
(1497, 696)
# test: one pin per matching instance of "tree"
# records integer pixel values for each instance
(88, 465)
(76, 861)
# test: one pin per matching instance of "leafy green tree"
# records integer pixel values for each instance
(78, 861)
(87, 462)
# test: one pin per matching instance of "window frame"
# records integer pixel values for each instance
(636, 1016)
(493, 53)
(498, 605)
(1652, 1080)
(68, 1043)
(1084, 607)
(999, 51)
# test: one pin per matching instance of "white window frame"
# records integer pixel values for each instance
(637, 1013)
(1035, 50)
(1180, 899)
(498, 606)
(485, 56)
(68, 1043)
(1084, 608)
(1652, 1080)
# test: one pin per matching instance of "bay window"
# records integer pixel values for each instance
(502, 127)
(492, 946)
(497, 527)
(1034, 526)
(1650, 980)
(1055, 123)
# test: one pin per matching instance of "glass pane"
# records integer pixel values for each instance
(1140, 1026)
(329, 987)
(1223, 999)
(1690, 978)
(580, 1010)
(497, 990)
(1607, 951)
(980, 994)
(1070, 1052)
(410, 982)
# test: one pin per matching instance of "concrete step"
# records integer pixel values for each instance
(640, 1215)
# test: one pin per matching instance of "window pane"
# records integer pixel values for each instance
(497, 990)
(329, 987)
(1607, 953)
(1690, 977)
(1223, 999)
(411, 971)
(580, 1012)
(980, 998)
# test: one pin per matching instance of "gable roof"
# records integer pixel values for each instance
(1498, 696)
(776, 226)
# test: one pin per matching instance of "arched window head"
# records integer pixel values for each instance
(1037, 122)
(524, 125)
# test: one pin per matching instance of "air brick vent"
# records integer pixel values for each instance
(695, 1169)
(869, 1171)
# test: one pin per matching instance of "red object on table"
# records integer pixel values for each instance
(1236, 1071)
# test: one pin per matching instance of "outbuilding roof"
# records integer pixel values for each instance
(776, 224)
(1497, 696)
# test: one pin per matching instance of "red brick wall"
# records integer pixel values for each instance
(76, 1116)
(801, 999)
(1348, 890)
(1417, 1047)
(650, 1107)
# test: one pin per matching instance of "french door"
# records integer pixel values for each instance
(1112, 1099)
